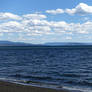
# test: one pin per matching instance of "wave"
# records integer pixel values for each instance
(30, 76)
(81, 83)
(71, 75)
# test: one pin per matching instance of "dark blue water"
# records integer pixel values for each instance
(67, 67)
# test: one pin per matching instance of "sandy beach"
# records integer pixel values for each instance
(12, 87)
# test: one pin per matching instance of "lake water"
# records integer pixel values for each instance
(69, 67)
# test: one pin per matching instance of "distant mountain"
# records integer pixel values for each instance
(9, 43)
(66, 44)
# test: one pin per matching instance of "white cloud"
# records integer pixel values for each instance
(34, 16)
(1, 34)
(57, 11)
(11, 26)
(81, 9)
(7, 16)
(68, 38)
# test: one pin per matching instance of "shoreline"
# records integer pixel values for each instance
(13, 87)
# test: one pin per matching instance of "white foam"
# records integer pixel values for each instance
(77, 89)
(72, 89)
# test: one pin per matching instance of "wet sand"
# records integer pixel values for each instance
(13, 87)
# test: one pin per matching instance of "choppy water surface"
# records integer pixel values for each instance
(67, 67)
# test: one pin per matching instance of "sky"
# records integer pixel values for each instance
(42, 21)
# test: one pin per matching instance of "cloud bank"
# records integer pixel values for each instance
(80, 9)
(34, 26)
(37, 24)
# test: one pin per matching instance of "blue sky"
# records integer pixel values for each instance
(40, 21)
